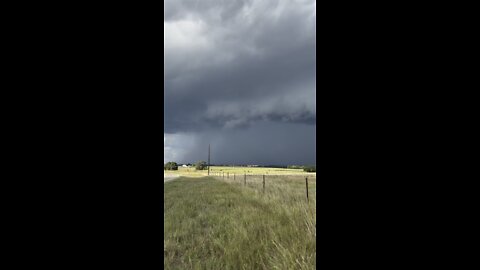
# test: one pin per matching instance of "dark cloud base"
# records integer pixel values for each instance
(241, 76)
(264, 143)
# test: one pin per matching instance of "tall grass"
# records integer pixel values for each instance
(212, 223)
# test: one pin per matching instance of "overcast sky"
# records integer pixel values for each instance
(240, 75)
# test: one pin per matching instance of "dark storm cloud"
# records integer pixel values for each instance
(261, 143)
(230, 65)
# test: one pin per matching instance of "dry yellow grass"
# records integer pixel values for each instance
(215, 170)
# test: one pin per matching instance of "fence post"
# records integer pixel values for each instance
(306, 184)
(264, 183)
(245, 180)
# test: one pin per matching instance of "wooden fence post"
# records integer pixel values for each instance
(264, 183)
(306, 184)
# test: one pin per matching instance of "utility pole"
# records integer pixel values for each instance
(208, 159)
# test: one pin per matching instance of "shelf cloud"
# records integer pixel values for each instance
(240, 75)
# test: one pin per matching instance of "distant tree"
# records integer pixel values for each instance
(171, 166)
(310, 169)
(201, 165)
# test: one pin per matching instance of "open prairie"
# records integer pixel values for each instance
(242, 223)
(214, 170)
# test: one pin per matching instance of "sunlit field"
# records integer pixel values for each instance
(216, 170)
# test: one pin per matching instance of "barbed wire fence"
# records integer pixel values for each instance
(289, 186)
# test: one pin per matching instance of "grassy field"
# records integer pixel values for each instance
(191, 172)
(221, 223)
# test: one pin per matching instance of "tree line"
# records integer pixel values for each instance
(173, 166)
(307, 168)
(202, 165)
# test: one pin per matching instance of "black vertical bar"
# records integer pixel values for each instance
(208, 159)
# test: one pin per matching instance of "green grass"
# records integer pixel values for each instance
(211, 223)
